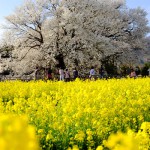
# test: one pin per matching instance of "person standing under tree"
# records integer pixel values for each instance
(132, 74)
(92, 73)
(49, 74)
(75, 73)
(61, 73)
(67, 75)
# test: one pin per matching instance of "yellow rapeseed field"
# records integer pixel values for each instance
(109, 114)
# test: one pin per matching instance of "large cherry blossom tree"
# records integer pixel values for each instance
(75, 33)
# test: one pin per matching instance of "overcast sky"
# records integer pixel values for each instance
(8, 6)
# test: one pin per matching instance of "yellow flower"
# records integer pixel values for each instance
(99, 148)
(75, 147)
(121, 141)
(16, 131)
(49, 137)
(41, 131)
(80, 136)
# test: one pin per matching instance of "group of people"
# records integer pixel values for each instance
(102, 73)
(49, 74)
(66, 75)
(133, 73)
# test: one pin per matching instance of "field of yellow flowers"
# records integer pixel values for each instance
(94, 115)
